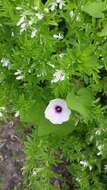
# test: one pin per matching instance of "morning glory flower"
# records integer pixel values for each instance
(59, 75)
(57, 111)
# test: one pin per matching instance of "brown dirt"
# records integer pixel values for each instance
(11, 157)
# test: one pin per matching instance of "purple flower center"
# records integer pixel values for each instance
(58, 109)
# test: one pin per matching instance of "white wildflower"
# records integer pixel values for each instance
(23, 25)
(90, 167)
(5, 62)
(22, 30)
(18, 72)
(58, 36)
(78, 18)
(19, 75)
(98, 132)
(71, 14)
(46, 10)
(61, 3)
(39, 16)
(84, 163)
(100, 148)
(22, 20)
(53, 6)
(105, 167)
(37, 171)
(61, 55)
(33, 34)
(59, 75)
(17, 114)
(18, 8)
(78, 179)
(57, 111)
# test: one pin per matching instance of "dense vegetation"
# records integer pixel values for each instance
(57, 49)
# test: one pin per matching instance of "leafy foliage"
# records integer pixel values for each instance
(37, 38)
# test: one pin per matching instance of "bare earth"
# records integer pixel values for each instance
(11, 157)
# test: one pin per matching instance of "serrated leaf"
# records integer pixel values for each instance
(95, 9)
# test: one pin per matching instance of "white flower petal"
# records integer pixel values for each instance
(33, 34)
(17, 114)
(59, 75)
(20, 77)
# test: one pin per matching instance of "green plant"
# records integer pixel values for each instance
(57, 49)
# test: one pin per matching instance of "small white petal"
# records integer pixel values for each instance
(84, 163)
(58, 36)
(22, 30)
(53, 6)
(17, 114)
(71, 14)
(59, 75)
(18, 72)
(20, 77)
(51, 65)
(46, 10)
(22, 19)
(39, 16)
(5, 62)
(18, 8)
(105, 166)
(23, 25)
(33, 34)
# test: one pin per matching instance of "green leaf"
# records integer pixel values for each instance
(47, 128)
(81, 102)
(103, 32)
(95, 9)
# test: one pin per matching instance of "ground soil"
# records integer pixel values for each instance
(11, 156)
